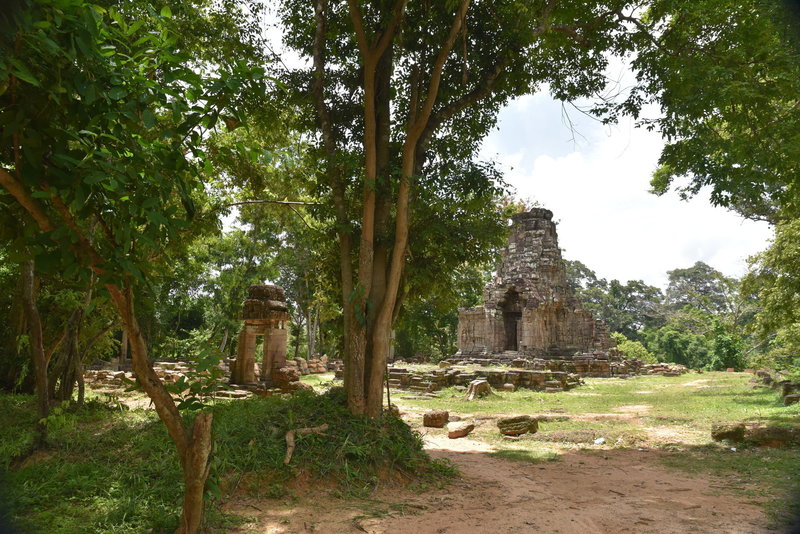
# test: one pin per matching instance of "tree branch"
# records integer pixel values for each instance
(358, 25)
(31, 205)
(267, 201)
(387, 36)
(436, 74)
(481, 91)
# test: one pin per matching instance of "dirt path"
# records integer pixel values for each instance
(614, 491)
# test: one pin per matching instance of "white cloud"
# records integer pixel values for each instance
(597, 187)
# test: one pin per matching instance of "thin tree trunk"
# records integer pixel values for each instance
(193, 445)
(223, 342)
(123, 347)
(312, 327)
(37, 351)
(196, 466)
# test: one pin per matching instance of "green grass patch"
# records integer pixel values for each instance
(114, 471)
(693, 399)
(321, 382)
(526, 455)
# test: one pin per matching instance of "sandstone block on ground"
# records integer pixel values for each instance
(284, 376)
(788, 400)
(774, 436)
(790, 388)
(459, 429)
(509, 387)
(435, 418)
(729, 431)
(518, 425)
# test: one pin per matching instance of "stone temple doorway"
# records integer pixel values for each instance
(512, 315)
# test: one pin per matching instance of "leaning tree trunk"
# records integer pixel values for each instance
(193, 444)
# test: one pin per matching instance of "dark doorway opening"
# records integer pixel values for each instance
(512, 315)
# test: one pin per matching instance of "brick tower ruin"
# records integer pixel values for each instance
(529, 310)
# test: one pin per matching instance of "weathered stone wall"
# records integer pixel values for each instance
(529, 308)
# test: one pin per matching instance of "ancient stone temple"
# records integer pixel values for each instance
(529, 310)
(264, 314)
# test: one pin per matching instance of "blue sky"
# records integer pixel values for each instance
(596, 183)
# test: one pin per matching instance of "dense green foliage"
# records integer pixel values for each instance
(726, 76)
(702, 321)
(633, 349)
(774, 281)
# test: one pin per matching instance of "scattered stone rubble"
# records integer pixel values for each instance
(264, 314)
(664, 369)
(459, 429)
(435, 418)
(436, 379)
(789, 390)
(321, 364)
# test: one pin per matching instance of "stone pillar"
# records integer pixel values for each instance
(275, 341)
(244, 368)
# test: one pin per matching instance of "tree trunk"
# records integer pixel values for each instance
(193, 445)
(224, 341)
(123, 347)
(312, 327)
(195, 463)
(37, 351)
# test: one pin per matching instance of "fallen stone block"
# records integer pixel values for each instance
(774, 436)
(788, 400)
(435, 418)
(518, 425)
(459, 429)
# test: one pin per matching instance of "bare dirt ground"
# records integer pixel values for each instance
(609, 491)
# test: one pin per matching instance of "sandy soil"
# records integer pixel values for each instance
(611, 491)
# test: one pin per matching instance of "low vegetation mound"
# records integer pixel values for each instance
(114, 470)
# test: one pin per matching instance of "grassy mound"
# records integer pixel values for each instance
(113, 470)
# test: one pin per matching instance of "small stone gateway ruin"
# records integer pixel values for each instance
(264, 314)
(530, 320)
